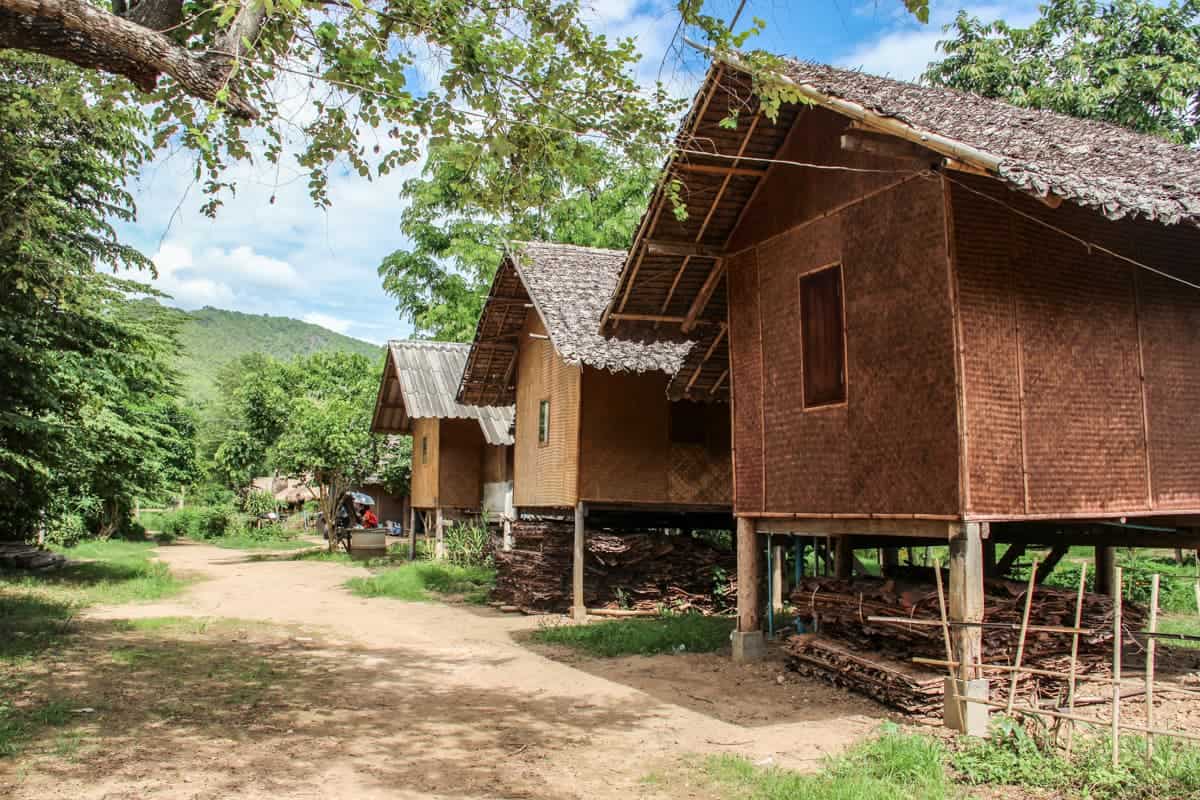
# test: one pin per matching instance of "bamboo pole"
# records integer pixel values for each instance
(1118, 591)
(1012, 684)
(937, 572)
(1150, 648)
(1075, 654)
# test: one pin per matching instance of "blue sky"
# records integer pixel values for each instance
(289, 258)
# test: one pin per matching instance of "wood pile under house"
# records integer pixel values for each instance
(461, 454)
(938, 319)
(598, 444)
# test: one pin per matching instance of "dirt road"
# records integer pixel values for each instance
(316, 693)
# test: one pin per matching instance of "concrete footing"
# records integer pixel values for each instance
(748, 645)
(968, 718)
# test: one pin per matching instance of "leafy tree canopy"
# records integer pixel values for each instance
(89, 413)
(1132, 62)
(458, 228)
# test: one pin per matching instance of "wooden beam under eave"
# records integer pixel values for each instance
(664, 247)
(717, 169)
(707, 356)
(703, 296)
(629, 317)
(857, 140)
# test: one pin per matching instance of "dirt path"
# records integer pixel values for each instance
(379, 698)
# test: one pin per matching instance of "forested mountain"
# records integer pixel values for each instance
(212, 337)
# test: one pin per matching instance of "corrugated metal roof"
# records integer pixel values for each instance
(429, 374)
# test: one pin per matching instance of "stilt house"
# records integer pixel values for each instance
(939, 318)
(596, 434)
(461, 454)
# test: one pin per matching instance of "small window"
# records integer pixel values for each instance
(823, 337)
(544, 422)
(688, 423)
(424, 449)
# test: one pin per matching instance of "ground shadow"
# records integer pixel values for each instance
(242, 706)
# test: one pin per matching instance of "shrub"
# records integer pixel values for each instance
(259, 504)
(468, 544)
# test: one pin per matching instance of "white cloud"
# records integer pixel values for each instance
(327, 321)
(906, 48)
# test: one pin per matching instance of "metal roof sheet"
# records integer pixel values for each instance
(429, 374)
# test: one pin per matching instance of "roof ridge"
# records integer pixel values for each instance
(429, 343)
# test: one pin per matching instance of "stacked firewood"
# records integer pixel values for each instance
(633, 571)
(875, 657)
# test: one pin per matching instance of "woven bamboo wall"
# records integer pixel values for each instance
(460, 463)
(425, 474)
(626, 453)
(892, 448)
(746, 367)
(545, 475)
(1054, 336)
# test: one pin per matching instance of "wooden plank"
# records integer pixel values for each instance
(717, 169)
(667, 247)
(621, 315)
(749, 576)
(858, 140)
(814, 526)
(778, 588)
(1056, 555)
(703, 296)
(1010, 557)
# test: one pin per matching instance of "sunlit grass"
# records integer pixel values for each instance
(691, 633)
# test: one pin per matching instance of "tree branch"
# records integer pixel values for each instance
(77, 31)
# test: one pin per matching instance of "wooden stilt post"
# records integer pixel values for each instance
(1104, 570)
(778, 585)
(966, 605)
(440, 547)
(966, 597)
(578, 608)
(891, 560)
(844, 561)
(747, 639)
(412, 534)
(799, 565)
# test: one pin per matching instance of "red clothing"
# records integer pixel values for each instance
(369, 520)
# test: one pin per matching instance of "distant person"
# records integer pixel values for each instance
(369, 520)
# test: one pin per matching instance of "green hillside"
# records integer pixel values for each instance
(212, 338)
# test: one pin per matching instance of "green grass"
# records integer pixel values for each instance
(18, 725)
(1183, 623)
(644, 636)
(422, 580)
(1011, 763)
(894, 765)
(36, 609)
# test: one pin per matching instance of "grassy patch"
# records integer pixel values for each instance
(1183, 623)
(1011, 757)
(1011, 763)
(416, 581)
(642, 636)
(891, 766)
(36, 609)
(18, 725)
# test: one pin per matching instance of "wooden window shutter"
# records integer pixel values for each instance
(823, 337)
